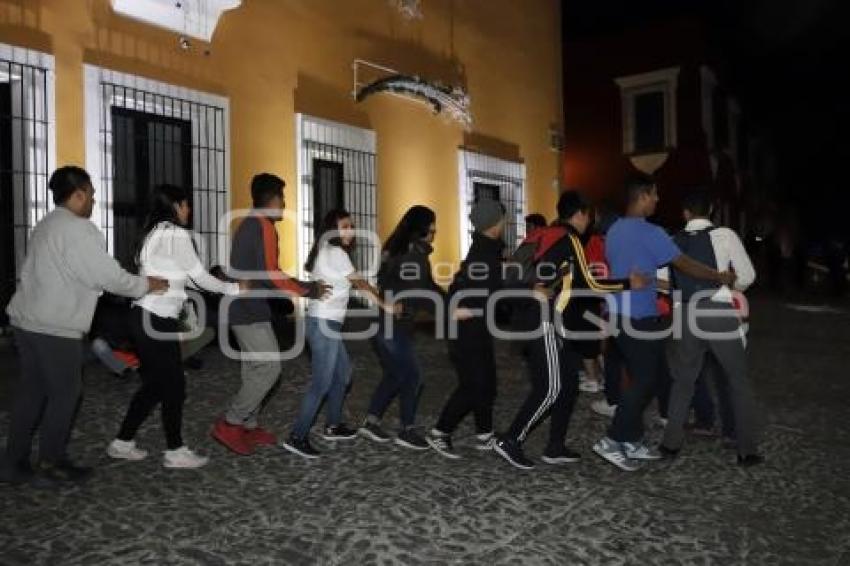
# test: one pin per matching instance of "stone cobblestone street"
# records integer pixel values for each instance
(362, 503)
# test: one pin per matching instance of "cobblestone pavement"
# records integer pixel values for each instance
(368, 504)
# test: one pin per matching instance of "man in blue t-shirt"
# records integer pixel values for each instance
(635, 245)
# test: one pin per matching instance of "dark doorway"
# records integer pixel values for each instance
(148, 150)
(7, 204)
(328, 193)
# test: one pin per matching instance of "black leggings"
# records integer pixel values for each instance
(162, 379)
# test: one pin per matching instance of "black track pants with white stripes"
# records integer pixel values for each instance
(553, 369)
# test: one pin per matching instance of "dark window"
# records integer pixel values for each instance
(328, 194)
(148, 150)
(336, 176)
(24, 148)
(720, 114)
(512, 208)
(649, 122)
(7, 203)
(485, 191)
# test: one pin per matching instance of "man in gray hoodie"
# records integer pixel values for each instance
(65, 271)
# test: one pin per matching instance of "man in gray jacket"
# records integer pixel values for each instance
(65, 271)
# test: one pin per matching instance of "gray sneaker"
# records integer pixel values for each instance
(613, 452)
(640, 451)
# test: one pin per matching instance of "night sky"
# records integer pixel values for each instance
(788, 60)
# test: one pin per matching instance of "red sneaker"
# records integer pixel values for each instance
(233, 437)
(260, 436)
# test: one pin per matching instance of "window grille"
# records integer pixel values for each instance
(483, 176)
(145, 133)
(26, 156)
(336, 160)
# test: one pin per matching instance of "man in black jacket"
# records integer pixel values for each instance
(472, 352)
(553, 362)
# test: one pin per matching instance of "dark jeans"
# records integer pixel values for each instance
(553, 369)
(614, 379)
(474, 360)
(401, 375)
(613, 372)
(48, 392)
(644, 360)
(163, 381)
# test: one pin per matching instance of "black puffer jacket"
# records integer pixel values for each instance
(411, 271)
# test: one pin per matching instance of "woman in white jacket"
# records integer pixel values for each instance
(167, 251)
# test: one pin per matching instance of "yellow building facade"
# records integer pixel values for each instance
(277, 69)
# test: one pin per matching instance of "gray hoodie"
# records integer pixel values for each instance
(64, 273)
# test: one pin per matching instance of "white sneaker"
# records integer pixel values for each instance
(640, 451)
(183, 458)
(125, 450)
(484, 441)
(601, 407)
(611, 451)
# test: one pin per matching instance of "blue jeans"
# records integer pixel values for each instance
(331, 374)
(401, 376)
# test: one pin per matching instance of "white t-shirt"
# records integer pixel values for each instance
(168, 252)
(333, 266)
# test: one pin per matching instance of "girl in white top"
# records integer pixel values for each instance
(329, 261)
(167, 251)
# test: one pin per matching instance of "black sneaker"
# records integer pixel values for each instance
(373, 431)
(409, 438)
(301, 446)
(560, 455)
(511, 451)
(442, 443)
(750, 460)
(668, 453)
(339, 432)
(49, 474)
(16, 474)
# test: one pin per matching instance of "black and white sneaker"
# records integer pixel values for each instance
(374, 432)
(339, 432)
(301, 447)
(409, 438)
(442, 443)
(560, 455)
(484, 441)
(511, 451)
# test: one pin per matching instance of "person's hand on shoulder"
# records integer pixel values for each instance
(157, 285)
(318, 290)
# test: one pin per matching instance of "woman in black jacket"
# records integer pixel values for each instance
(406, 269)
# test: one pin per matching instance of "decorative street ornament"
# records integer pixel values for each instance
(452, 100)
(409, 9)
(194, 18)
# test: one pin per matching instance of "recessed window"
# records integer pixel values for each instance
(486, 177)
(649, 111)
